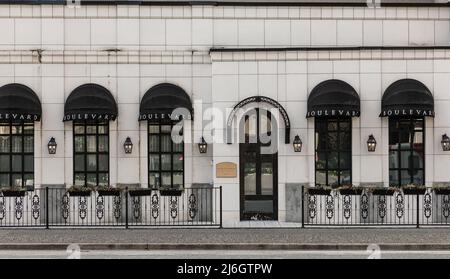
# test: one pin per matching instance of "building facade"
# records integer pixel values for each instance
(251, 79)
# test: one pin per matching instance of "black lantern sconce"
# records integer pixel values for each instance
(202, 146)
(445, 142)
(52, 146)
(297, 144)
(371, 144)
(128, 146)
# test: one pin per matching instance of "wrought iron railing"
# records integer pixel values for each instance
(59, 208)
(369, 209)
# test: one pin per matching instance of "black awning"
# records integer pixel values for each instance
(165, 101)
(333, 98)
(19, 103)
(90, 102)
(407, 97)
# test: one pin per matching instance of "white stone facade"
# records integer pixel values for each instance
(130, 48)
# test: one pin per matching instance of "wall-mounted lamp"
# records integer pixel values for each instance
(445, 142)
(202, 146)
(128, 146)
(371, 144)
(297, 143)
(52, 146)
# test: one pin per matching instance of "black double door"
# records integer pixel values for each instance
(258, 166)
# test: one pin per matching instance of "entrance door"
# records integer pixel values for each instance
(258, 166)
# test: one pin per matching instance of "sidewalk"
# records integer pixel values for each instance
(249, 239)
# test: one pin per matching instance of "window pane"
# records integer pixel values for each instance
(165, 179)
(153, 129)
(79, 163)
(103, 129)
(333, 141)
(333, 160)
(345, 178)
(4, 130)
(103, 179)
(345, 160)
(344, 125)
(166, 129)
(28, 179)
(345, 141)
(79, 179)
(321, 141)
(16, 130)
(16, 144)
(250, 178)
(28, 144)
(393, 160)
(405, 177)
(4, 143)
(153, 180)
(4, 163)
(321, 160)
(79, 143)
(178, 147)
(418, 139)
(79, 129)
(153, 145)
(4, 180)
(91, 143)
(103, 163)
(266, 178)
(91, 129)
(178, 180)
(332, 125)
(165, 162)
(103, 143)
(333, 178)
(393, 178)
(28, 163)
(91, 179)
(166, 143)
(17, 163)
(91, 162)
(178, 162)
(154, 162)
(17, 180)
(418, 177)
(321, 177)
(28, 129)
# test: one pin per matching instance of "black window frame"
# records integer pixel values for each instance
(393, 122)
(22, 153)
(160, 171)
(318, 148)
(85, 153)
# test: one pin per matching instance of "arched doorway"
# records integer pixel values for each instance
(258, 162)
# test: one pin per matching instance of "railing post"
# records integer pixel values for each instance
(126, 207)
(220, 208)
(46, 209)
(303, 206)
(417, 210)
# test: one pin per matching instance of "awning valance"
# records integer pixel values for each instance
(333, 98)
(90, 102)
(165, 101)
(19, 103)
(407, 97)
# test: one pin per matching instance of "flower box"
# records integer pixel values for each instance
(350, 191)
(140, 192)
(170, 192)
(319, 191)
(414, 191)
(383, 192)
(109, 192)
(79, 193)
(442, 191)
(13, 193)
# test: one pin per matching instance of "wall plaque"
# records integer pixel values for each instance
(226, 170)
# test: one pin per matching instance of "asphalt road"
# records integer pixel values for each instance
(221, 254)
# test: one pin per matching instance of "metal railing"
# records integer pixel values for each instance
(46, 208)
(369, 209)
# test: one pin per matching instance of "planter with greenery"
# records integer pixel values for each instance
(441, 190)
(108, 191)
(319, 190)
(79, 191)
(350, 190)
(137, 192)
(170, 191)
(13, 192)
(414, 190)
(383, 191)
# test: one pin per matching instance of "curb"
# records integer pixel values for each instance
(228, 246)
